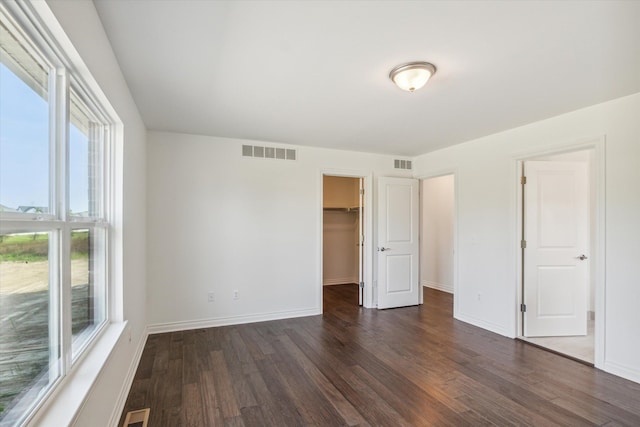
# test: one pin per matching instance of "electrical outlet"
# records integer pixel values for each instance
(479, 296)
(236, 294)
(211, 297)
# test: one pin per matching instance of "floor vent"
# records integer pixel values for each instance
(402, 164)
(137, 418)
(269, 152)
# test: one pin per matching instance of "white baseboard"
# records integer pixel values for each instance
(489, 326)
(627, 372)
(128, 382)
(231, 320)
(339, 281)
(438, 286)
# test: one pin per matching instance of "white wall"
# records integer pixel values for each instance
(82, 25)
(487, 235)
(436, 233)
(219, 222)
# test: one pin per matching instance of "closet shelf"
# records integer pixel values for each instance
(353, 209)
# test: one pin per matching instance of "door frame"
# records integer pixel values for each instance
(367, 226)
(437, 174)
(597, 179)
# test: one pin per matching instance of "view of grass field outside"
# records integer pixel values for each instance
(53, 240)
(25, 308)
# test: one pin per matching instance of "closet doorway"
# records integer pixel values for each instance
(343, 239)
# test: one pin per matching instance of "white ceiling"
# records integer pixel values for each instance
(316, 72)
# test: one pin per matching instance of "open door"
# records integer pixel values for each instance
(556, 248)
(398, 246)
(360, 242)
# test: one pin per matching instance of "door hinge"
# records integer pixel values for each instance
(523, 244)
(523, 308)
(362, 284)
(362, 191)
(523, 180)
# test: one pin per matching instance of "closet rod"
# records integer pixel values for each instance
(356, 209)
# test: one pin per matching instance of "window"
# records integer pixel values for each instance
(25, 128)
(88, 308)
(54, 223)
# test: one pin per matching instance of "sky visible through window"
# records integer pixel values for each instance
(24, 149)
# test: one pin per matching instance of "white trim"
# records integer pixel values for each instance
(490, 326)
(577, 144)
(128, 382)
(230, 320)
(598, 144)
(64, 403)
(599, 248)
(49, 27)
(340, 281)
(628, 372)
(115, 215)
(438, 286)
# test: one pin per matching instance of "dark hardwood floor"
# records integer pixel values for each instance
(352, 366)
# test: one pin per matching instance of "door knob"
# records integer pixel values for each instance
(384, 249)
(582, 257)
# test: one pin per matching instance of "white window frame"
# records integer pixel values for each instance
(25, 18)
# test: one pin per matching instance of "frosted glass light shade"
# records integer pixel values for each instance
(412, 76)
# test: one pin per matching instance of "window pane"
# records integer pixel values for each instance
(85, 167)
(24, 129)
(29, 359)
(87, 284)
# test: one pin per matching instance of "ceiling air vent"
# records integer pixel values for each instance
(269, 152)
(402, 164)
(137, 418)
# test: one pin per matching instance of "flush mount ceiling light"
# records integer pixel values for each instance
(412, 75)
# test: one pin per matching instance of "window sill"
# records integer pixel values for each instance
(62, 406)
